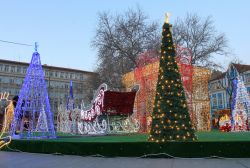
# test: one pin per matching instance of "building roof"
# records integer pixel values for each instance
(46, 66)
(217, 75)
(239, 67)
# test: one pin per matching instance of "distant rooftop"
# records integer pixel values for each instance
(46, 66)
(239, 67)
(217, 75)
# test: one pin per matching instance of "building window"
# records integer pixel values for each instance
(218, 84)
(215, 85)
(56, 74)
(46, 73)
(81, 77)
(1, 67)
(71, 76)
(18, 69)
(61, 75)
(76, 76)
(247, 78)
(248, 90)
(24, 70)
(220, 100)
(11, 81)
(214, 100)
(12, 69)
(6, 68)
(55, 104)
(51, 74)
(51, 101)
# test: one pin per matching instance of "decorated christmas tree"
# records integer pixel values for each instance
(41, 125)
(32, 116)
(240, 106)
(170, 117)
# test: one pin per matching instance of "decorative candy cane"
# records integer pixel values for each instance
(4, 96)
(5, 141)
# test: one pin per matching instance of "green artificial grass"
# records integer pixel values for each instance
(105, 138)
(135, 145)
(223, 136)
(213, 136)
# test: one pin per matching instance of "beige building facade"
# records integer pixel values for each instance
(57, 79)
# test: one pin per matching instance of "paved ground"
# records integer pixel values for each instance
(31, 160)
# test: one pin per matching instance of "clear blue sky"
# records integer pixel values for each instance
(65, 28)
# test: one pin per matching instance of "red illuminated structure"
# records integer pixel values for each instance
(146, 74)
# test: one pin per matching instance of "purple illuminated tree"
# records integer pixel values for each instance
(33, 107)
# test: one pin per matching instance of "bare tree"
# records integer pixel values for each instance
(200, 36)
(91, 83)
(119, 40)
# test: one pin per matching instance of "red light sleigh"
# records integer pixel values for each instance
(110, 112)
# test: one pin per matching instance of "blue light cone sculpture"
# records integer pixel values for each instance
(32, 111)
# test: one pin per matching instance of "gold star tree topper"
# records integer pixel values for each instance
(167, 16)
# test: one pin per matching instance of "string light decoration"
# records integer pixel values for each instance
(145, 98)
(240, 106)
(68, 120)
(148, 57)
(170, 117)
(200, 115)
(68, 116)
(145, 74)
(225, 123)
(8, 112)
(110, 112)
(198, 102)
(195, 83)
(42, 125)
(63, 120)
(33, 100)
(8, 116)
(71, 101)
(184, 61)
(4, 141)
